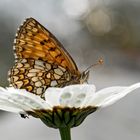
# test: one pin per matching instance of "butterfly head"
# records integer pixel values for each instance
(77, 78)
(84, 77)
(85, 74)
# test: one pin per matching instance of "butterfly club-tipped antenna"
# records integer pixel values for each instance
(99, 62)
(85, 73)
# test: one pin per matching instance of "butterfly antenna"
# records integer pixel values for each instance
(99, 62)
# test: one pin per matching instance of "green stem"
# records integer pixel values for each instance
(65, 133)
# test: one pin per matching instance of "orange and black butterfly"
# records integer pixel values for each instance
(41, 61)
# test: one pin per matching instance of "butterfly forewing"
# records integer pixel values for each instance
(34, 41)
(41, 60)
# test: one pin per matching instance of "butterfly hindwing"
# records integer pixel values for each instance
(36, 76)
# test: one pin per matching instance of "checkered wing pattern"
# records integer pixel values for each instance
(40, 60)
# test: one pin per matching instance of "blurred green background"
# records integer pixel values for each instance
(89, 30)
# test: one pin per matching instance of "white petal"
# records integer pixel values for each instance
(21, 99)
(7, 106)
(70, 96)
(52, 96)
(99, 96)
(76, 95)
(34, 100)
(110, 95)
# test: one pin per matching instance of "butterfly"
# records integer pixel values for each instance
(41, 61)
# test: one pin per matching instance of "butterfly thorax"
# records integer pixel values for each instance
(77, 78)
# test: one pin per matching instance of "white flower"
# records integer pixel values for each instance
(68, 106)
